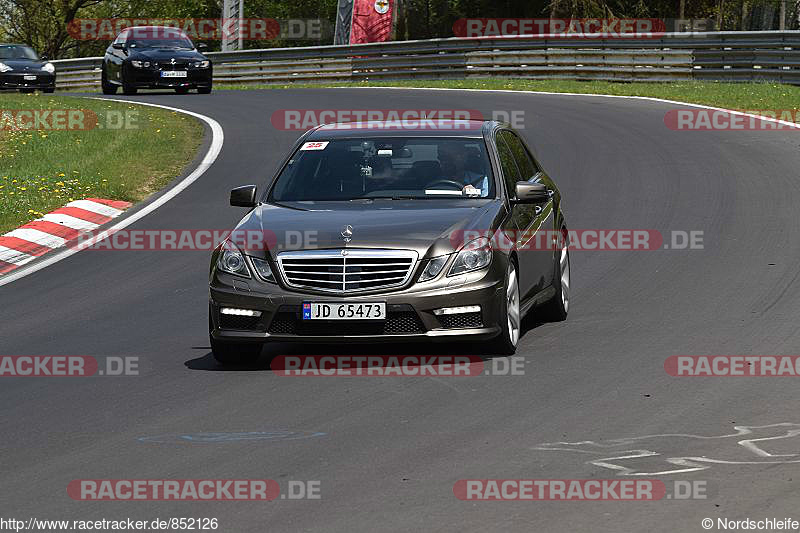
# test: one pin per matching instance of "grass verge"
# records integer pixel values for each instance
(743, 96)
(125, 152)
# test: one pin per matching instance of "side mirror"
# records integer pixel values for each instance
(244, 196)
(43, 58)
(531, 193)
(118, 46)
(202, 46)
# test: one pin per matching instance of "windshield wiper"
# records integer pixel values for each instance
(398, 197)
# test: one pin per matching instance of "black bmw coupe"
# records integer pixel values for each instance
(154, 57)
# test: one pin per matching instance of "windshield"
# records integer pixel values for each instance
(17, 52)
(161, 43)
(349, 169)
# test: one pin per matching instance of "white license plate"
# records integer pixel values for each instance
(29, 78)
(173, 73)
(337, 311)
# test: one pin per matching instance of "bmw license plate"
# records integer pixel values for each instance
(337, 311)
(173, 73)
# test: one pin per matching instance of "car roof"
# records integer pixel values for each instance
(153, 28)
(414, 127)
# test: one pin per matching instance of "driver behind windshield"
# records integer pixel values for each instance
(459, 165)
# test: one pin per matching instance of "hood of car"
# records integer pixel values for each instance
(165, 54)
(23, 64)
(429, 227)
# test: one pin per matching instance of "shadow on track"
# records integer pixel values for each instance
(270, 351)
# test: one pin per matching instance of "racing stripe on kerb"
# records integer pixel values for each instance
(55, 229)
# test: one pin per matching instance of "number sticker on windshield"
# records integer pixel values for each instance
(315, 145)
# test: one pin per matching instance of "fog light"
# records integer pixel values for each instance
(457, 310)
(239, 312)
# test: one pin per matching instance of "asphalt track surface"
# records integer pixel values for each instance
(390, 449)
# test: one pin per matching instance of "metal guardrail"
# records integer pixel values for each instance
(727, 56)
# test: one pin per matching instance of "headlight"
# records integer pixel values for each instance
(435, 266)
(475, 255)
(49, 67)
(231, 260)
(201, 64)
(263, 269)
(4, 67)
(140, 64)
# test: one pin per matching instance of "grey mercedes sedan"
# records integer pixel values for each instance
(443, 231)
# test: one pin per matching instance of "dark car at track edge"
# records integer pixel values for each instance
(155, 57)
(394, 237)
(22, 69)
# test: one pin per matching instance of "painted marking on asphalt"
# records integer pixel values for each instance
(69, 221)
(15, 257)
(750, 445)
(6, 267)
(36, 236)
(53, 228)
(21, 245)
(96, 207)
(83, 214)
(118, 204)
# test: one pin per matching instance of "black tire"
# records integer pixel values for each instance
(181, 90)
(232, 353)
(557, 307)
(204, 90)
(126, 88)
(106, 87)
(506, 342)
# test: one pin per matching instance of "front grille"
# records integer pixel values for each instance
(346, 271)
(166, 65)
(249, 323)
(402, 320)
(461, 321)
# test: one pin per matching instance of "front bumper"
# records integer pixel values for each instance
(146, 78)
(16, 80)
(410, 315)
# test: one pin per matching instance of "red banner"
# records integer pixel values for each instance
(372, 21)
